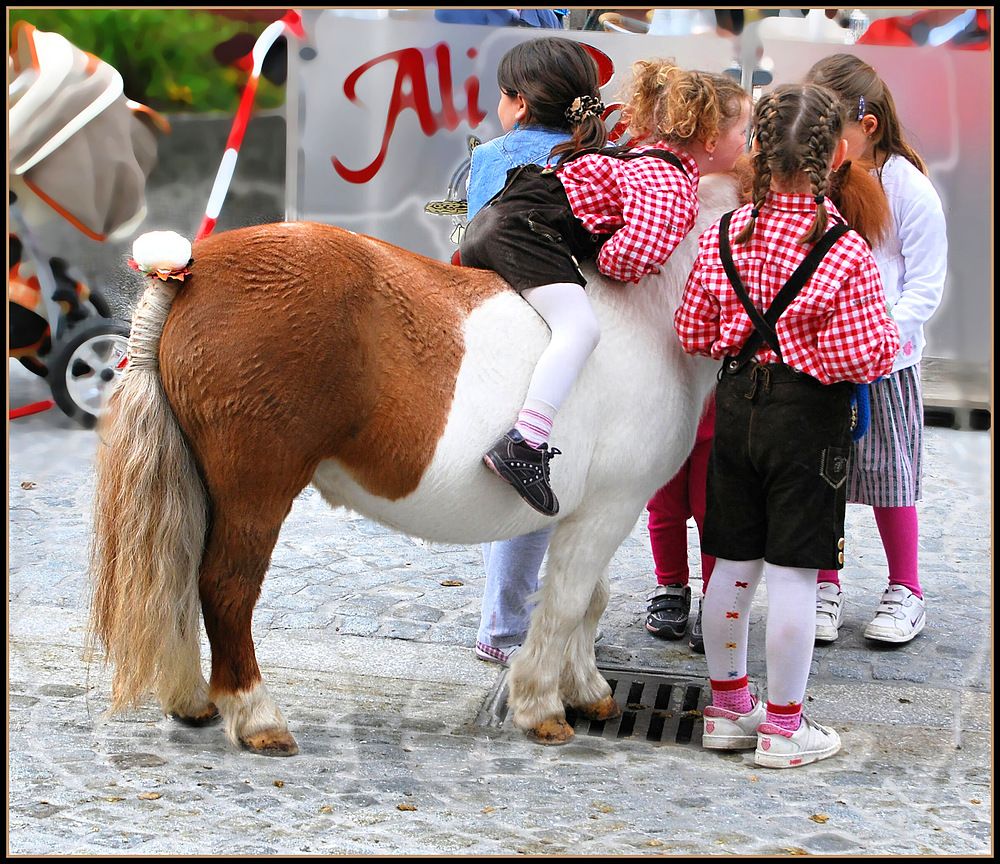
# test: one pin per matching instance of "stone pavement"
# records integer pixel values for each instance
(368, 652)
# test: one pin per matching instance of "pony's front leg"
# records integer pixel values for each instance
(236, 558)
(572, 599)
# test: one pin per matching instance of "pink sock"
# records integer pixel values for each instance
(829, 576)
(534, 422)
(898, 528)
(733, 695)
(786, 716)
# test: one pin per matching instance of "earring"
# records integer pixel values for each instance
(711, 158)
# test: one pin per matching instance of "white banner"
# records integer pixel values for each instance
(381, 112)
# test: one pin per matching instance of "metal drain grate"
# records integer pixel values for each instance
(656, 707)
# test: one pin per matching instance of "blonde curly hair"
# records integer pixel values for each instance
(664, 102)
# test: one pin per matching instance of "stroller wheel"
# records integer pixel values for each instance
(85, 367)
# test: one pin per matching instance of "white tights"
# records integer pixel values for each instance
(575, 333)
(791, 624)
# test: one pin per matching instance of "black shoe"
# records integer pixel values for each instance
(515, 461)
(697, 642)
(669, 607)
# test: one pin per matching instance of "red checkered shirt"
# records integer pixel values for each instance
(836, 329)
(647, 202)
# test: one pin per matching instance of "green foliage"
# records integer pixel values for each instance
(164, 55)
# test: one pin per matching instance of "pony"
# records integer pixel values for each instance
(294, 353)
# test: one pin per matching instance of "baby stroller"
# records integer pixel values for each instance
(80, 152)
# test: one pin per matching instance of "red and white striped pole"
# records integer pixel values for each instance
(292, 21)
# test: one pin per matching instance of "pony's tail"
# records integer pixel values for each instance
(150, 517)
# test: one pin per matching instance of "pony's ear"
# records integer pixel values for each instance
(859, 197)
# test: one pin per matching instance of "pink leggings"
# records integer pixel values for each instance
(671, 507)
(897, 526)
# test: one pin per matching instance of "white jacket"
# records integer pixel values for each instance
(913, 260)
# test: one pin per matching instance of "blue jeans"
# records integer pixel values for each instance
(512, 568)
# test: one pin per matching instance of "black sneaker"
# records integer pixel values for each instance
(669, 607)
(515, 461)
(697, 642)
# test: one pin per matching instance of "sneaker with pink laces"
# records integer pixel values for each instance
(728, 730)
(779, 748)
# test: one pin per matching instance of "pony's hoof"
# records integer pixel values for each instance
(552, 731)
(606, 709)
(272, 742)
(208, 715)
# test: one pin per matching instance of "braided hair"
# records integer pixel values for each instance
(797, 130)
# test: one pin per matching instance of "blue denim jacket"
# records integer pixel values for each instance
(493, 159)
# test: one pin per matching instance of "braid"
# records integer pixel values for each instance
(797, 132)
(816, 162)
(767, 115)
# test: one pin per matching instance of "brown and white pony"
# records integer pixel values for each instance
(300, 353)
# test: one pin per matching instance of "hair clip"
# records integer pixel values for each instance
(861, 109)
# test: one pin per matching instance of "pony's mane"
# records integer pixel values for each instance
(854, 190)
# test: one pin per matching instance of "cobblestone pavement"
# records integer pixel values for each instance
(369, 654)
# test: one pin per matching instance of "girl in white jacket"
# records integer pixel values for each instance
(885, 465)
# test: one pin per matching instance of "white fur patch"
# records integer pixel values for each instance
(161, 250)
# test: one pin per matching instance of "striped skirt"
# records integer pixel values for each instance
(886, 464)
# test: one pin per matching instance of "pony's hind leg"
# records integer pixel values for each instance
(237, 554)
(549, 669)
(581, 685)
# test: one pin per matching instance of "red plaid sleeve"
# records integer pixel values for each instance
(650, 205)
(659, 206)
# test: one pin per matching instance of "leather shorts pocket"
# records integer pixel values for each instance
(833, 466)
(540, 224)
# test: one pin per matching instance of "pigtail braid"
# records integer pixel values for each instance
(797, 131)
(767, 116)
(816, 162)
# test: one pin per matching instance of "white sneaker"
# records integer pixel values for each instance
(728, 730)
(899, 617)
(829, 611)
(779, 748)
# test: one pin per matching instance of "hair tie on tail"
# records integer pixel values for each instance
(162, 255)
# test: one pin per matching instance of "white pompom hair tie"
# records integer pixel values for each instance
(161, 254)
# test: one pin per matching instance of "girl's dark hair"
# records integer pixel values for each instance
(797, 129)
(853, 80)
(550, 74)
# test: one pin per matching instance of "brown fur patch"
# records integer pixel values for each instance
(367, 335)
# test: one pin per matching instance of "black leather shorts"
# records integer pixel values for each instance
(777, 474)
(528, 234)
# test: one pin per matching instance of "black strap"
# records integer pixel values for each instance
(764, 325)
(626, 153)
